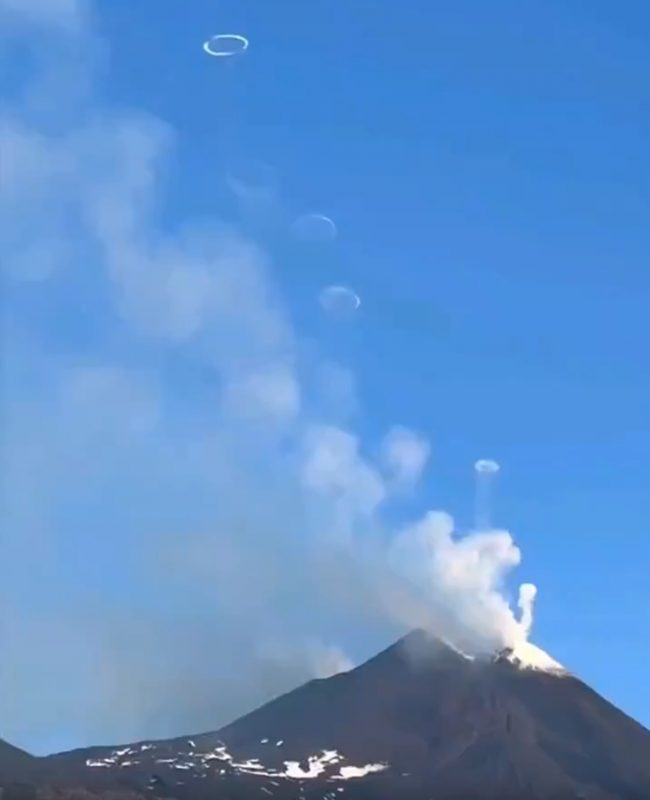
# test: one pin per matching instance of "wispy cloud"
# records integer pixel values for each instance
(67, 15)
(405, 455)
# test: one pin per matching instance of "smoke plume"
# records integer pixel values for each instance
(189, 524)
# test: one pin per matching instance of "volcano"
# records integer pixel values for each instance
(420, 721)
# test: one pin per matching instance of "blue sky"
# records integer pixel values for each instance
(487, 171)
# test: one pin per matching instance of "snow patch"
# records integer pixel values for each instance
(329, 765)
(294, 770)
(345, 773)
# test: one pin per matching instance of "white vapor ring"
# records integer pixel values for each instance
(225, 37)
(486, 466)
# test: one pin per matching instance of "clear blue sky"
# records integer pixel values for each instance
(487, 166)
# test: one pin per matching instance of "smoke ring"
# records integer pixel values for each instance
(233, 38)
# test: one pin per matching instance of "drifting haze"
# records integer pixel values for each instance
(185, 533)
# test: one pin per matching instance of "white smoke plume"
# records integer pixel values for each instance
(526, 603)
(459, 582)
(179, 486)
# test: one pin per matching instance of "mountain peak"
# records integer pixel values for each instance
(524, 655)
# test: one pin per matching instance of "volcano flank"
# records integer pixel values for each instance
(418, 721)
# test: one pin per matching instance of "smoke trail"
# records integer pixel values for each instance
(485, 471)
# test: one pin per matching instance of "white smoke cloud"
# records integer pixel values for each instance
(405, 455)
(179, 485)
(271, 392)
(334, 467)
(330, 660)
(460, 580)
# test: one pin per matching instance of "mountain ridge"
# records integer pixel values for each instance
(419, 720)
